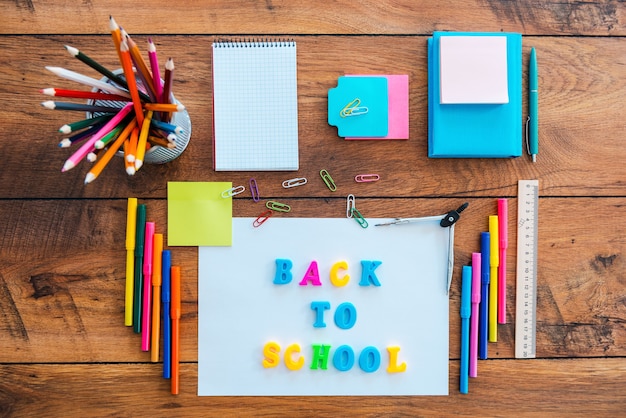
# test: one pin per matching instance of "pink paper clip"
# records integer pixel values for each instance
(366, 178)
(262, 218)
(254, 189)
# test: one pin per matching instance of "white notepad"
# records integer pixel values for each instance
(255, 106)
(473, 70)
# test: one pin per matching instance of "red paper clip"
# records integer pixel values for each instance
(366, 178)
(262, 218)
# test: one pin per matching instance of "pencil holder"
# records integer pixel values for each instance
(157, 154)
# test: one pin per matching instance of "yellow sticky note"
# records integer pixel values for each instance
(197, 214)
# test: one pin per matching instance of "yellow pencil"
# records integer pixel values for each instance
(110, 152)
(157, 249)
(494, 261)
(131, 224)
(143, 140)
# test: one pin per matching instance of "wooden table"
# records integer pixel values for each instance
(63, 346)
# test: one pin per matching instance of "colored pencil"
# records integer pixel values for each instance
(138, 283)
(161, 142)
(128, 165)
(143, 139)
(175, 314)
(96, 66)
(166, 97)
(146, 315)
(143, 72)
(157, 250)
(132, 83)
(81, 107)
(88, 146)
(164, 107)
(109, 153)
(494, 257)
(85, 123)
(102, 142)
(167, 127)
(131, 227)
(166, 262)
(81, 94)
(116, 35)
(88, 81)
(80, 136)
(156, 72)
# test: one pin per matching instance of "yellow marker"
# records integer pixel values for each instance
(157, 249)
(131, 225)
(494, 261)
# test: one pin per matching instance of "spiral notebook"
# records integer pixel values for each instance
(255, 106)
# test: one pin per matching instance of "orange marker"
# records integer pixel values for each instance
(157, 249)
(175, 316)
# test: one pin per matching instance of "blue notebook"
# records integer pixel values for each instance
(491, 125)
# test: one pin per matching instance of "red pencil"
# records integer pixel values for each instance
(80, 94)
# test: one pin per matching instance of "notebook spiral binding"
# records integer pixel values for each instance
(253, 43)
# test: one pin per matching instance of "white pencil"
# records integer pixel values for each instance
(83, 79)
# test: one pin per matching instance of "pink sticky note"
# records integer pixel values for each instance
(398, 90)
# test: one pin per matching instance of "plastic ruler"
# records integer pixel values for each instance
(526, 281)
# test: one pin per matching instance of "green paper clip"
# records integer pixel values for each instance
(328, 180)
(359, 218)
(277, 206)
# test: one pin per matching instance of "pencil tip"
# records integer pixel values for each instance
(67, 166)
(89, 178)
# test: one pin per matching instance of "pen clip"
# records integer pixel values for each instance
(451, 217)
(526, 135)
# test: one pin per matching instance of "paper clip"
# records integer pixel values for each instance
(353, 109)
(359, 218)
(294, 182)
(262, 218)
(350, 205)
(328, 180)
(366, 178)
(254, 189)
(277, 206)
(232, 191)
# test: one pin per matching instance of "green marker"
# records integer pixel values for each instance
(138, 290)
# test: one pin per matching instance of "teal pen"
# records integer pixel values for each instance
(138, 289)
(533, 99)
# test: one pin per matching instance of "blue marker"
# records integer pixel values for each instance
(466, 309)
(166, 297)
(483, 326)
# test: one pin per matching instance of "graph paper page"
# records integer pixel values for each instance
(255, 108)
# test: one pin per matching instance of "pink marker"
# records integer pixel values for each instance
(88, 146)
(476, 281)
(503, 221)
(147, 287)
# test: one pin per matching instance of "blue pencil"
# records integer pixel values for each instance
(483, 326)
(466, 310)
(166, 295)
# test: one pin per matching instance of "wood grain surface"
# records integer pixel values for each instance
(63, 346)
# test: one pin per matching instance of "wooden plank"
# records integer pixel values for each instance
(581, 83)
(590, 387)
(62, 276)
(337, 17)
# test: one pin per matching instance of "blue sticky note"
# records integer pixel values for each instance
(370, 96)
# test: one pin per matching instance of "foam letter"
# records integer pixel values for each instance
(283, 271)
(319, 308)
(270, 351)
(289, 362)
(394, 367)
(367, 274)
(345, 315)
(320, 356)
(343, 359)
(312, 275)
(369, 359)
(337, 281)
